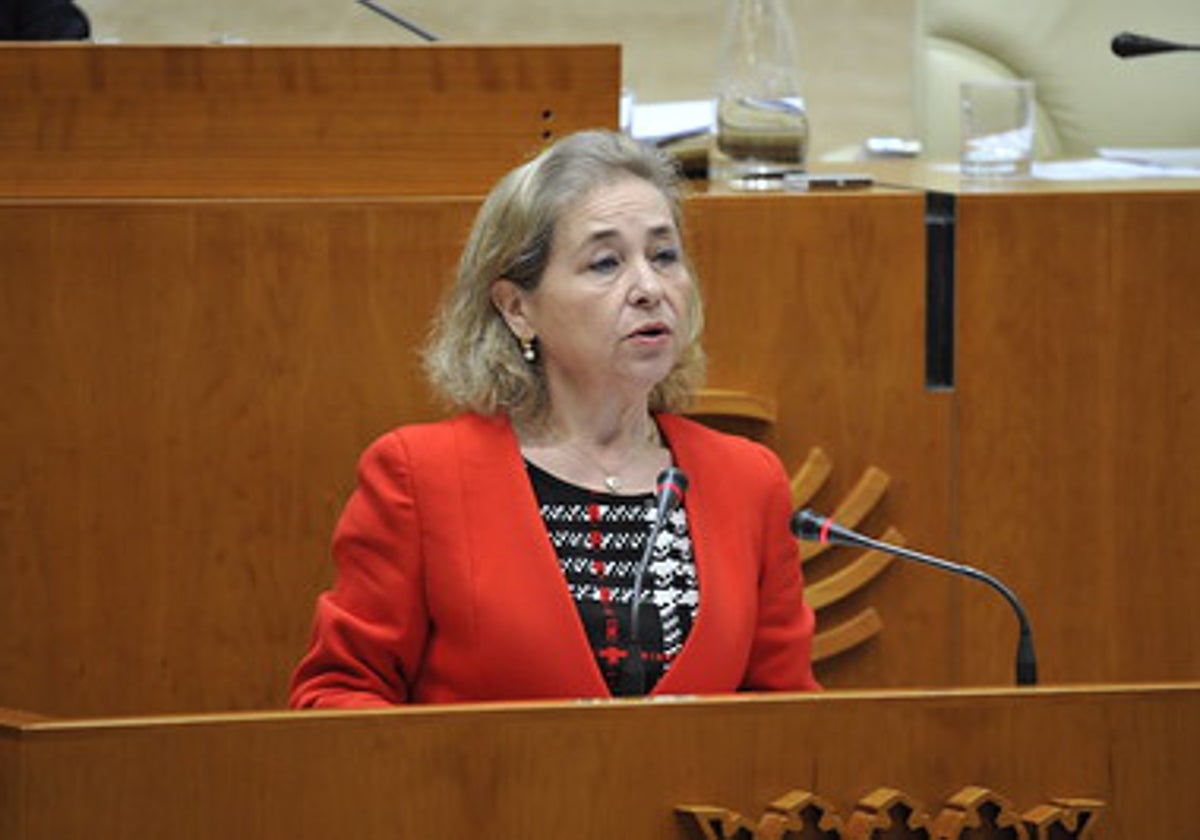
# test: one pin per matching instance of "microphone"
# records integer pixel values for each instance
(811, 526)
(395, 18)
(1132, 45)
(668, 495)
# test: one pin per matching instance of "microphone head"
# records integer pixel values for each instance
(1123, 44)
(671, 485)
(1130, 45)
(806, 525)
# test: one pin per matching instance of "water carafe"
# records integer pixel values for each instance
(761, 129)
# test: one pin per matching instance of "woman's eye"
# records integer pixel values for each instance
(605, 265)
(666, 256)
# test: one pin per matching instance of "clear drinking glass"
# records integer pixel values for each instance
(997, 127)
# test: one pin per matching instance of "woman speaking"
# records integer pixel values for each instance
(502, 554)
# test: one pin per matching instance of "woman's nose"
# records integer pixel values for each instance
(645, 286)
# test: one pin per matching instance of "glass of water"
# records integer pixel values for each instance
(997, 127)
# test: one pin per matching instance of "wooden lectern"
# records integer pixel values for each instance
(1122, 760)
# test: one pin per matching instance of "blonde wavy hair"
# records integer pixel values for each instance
(472, 358)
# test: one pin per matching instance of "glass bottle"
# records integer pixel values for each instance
(761, 130)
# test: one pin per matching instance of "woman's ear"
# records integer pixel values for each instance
(509, 300)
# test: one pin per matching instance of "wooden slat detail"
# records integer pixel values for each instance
(1063, 818)
(797, 813)
(844, 582)
(974, 812)
(890, 811)
(811, 477)
(979, 810)
(859, 502)
(708, 822)
(722, 402)
(863, 498)
(846, 635)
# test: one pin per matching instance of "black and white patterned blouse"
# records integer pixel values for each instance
(600, 539)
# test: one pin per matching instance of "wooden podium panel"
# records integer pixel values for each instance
(602, 770)
(1076, 461)
(191, 382)
(1079, 401)
(817, 303)
(237, 120)
(189, 386)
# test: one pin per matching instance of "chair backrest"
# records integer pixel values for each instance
(1087, 97)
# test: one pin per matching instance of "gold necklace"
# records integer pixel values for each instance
(612, 478)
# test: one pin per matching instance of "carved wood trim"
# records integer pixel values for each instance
(887, 810)
(974, 813)
(849, 634)
(860, 501)
(811, 476)
(1063, 818)
(806, 482)
(724, 402)
(800, 814)
(977, 809)
(844, 582)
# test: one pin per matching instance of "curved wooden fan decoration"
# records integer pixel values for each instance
(807, 481)
(860, 501)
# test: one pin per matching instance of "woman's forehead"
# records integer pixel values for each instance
(626, 202)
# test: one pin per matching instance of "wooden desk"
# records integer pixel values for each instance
(602, 770)
(251, 120)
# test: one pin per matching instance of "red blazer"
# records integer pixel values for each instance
(448, 588)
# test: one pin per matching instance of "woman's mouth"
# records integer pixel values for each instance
(651, 332)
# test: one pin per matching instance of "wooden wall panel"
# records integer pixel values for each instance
(191, 383)
(818, 303)
(1078, 384)
(249, 120)
(187, 389)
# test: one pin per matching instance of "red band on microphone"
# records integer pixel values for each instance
(826, 524)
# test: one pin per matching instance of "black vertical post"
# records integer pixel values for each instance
(940, 214)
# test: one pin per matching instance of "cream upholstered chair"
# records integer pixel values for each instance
(1087, 97)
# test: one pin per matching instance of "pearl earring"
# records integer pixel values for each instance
(528, 350)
